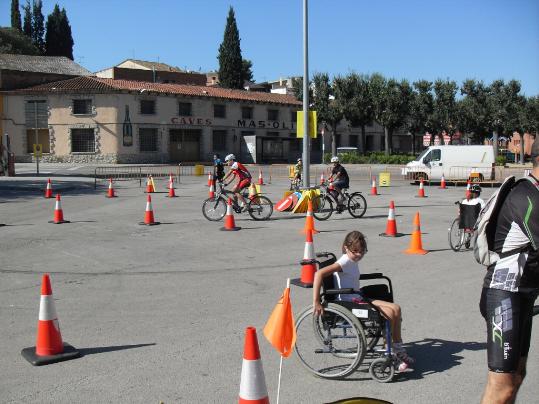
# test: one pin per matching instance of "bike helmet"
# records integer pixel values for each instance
(230, 157)
(476, 189)
(334, 159)
(299, 159)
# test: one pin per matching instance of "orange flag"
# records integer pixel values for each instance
(280, 329)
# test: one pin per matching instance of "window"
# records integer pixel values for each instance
(82, 140)
(273, 114)
(219, 140)
(37, 136)
(147, 107)
(246, 112)
(353, 140)
(184, 109)
(148, 139)
(219, 111)
(294, 116)
(82, 107)
(36, 114)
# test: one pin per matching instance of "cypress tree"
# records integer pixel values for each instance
(38, 26)
(16, 15)
(66, 35)
(53, 39)
(27, 25)
(230, 60)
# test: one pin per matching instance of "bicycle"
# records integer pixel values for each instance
(296, 184)
(462, 229)
(258, 206)
(323, 204)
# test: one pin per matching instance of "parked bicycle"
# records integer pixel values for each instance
(461, 232)
(323, 205)
(258, 206)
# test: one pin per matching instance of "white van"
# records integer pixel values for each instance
(453, 162)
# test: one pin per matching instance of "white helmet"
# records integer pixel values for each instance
(230, 157)
(334, 159)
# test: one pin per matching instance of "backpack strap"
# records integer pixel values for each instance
(514, 251)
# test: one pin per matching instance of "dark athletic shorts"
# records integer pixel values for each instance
(509, 325)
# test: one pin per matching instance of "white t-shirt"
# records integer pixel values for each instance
(348, 278)
(474, 201)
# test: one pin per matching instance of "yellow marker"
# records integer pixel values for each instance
(313, 125)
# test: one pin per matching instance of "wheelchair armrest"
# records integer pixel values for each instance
(308, 262)
(346, 291)
(372, 276)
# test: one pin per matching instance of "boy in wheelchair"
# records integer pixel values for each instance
(346, 274)
(470, 207)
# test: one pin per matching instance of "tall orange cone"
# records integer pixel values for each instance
(58, 212)
(421, 192)
(374, 191)
(49, 345)
(468, 189)
(416, 247)
(48, 190)
(148, 215)
(442, 183)
(150, 186)
(253, 388)
(210, 179)
(391, 227)
(260, 179)
(110, 193)
(211, 193)
(308, 267)
(230, 224)
(322, 179)
(309, 219)
(171, 193)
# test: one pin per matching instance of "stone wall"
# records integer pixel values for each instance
(113, 158)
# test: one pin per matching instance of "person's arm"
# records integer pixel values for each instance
(317, 284)
(226, 176)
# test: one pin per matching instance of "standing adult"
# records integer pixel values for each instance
(510, 288)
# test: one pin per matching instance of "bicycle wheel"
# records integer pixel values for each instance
(214, 209)
(357, 205)
(332, 345)
(322, 207)
(260, 207)
(455, 235)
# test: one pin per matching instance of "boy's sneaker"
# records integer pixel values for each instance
(404, 368)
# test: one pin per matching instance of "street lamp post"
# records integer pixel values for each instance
(306, 138)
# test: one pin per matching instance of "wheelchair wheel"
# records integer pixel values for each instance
(456, 236)
(214, 209)
(357, 205)
(373, 331)
(332, 345)
(382, 369)
(260, 208)
(322, 207)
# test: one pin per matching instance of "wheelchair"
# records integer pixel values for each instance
(461, 232)
(335, 344)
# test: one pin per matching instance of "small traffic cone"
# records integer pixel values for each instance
(374, 191)
(49, 345)
(308, 266)
(171, 193)
(58, 212)
(48, 190)
(442, 183)
(253, 388)
(421, 192)
(260, 179)
(210, 179)
(391, 227)
(230, 224)
(110, 193)
(322, 179)
(211, 194)
(150, 186)
(148, 215)
(252, 192)
(468, 189)
(331, 187)
(309, 219)
(416, 247)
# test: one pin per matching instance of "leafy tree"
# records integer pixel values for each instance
(444, 117)
(246, 70)
(473, 109)
(27, 24)
(230, 60)
(14, 42)
(58, 39)
(421, 109)
(326, 106)
(16, 15)
(38, 26)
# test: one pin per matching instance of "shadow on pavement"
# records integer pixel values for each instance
(26, 189)
(96, 350)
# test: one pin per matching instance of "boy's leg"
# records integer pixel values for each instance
(392, 312)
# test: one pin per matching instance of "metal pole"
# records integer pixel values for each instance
(36, 155)
(306, 138)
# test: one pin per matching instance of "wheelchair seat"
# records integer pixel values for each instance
(468, 215)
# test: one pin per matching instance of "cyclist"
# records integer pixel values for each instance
(470, 208)
(339, 178)
(298, 168)
(218, 168)
(244, 178)
(510, 288)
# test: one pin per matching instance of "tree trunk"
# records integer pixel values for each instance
(413, 143)
(363, 140)
(495, 143)
(386, 141)
(522, 148)
(333, 140)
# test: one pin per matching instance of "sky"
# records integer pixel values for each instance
(413, 39)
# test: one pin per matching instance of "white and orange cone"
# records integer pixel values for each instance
(443, 185)
(211, 193)
(48, 190)
(49, 345)
(58, 212)
(260, 179)
(391, 226)
(374, 191)
(148, 214)
(309, 219)
(322, 179)
(230, 224)
(171, 193)
(421, 191)
(210, 179)
(150, 186)
(468, 189)
(253, 388)
(308, 269)
(110, 192)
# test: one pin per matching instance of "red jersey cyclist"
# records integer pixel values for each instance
(243, 175)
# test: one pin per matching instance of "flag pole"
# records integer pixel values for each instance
(281, 363)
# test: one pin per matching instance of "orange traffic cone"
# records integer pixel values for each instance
(230, 224)
(331, 187)
(49, 346)
(211, 194)
(171, 193)
(442, 183)
(110, 193)
(210, 179)
(260, 179)
(150, 186)
(308, 266)
(309, 220)
(416, 247)
(322, 179)
(468, 189)
(374, 191)
(421, 192)
(58, 212)
(48, 190)
(391, 227)
(253, 388)
(148, 215)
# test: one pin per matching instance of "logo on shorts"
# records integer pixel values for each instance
(502, 321)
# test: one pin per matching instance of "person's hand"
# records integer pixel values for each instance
(317, 309)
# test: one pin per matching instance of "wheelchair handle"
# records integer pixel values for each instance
(346, 291)
(308, 262)
(325, 254)
(375, 275)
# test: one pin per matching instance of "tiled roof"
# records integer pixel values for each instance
(42, 64)
(154, 65)
(102, 85)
